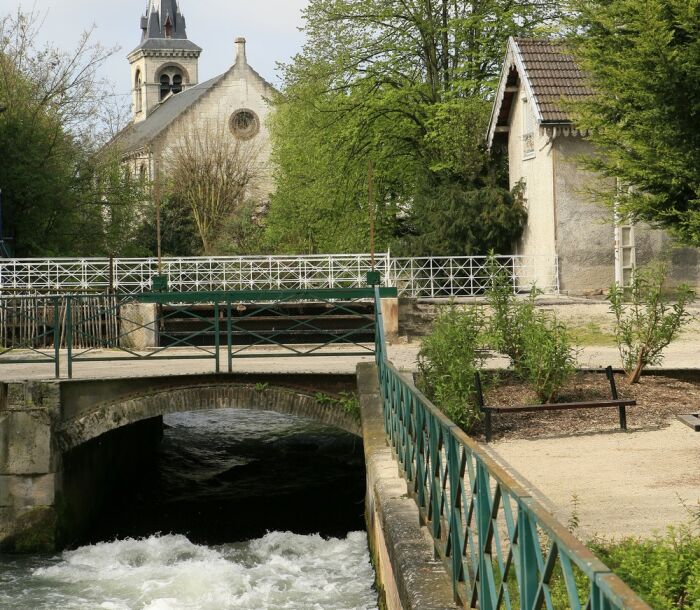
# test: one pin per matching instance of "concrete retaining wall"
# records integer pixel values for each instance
(409, 576)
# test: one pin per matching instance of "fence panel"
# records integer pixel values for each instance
(436, 277)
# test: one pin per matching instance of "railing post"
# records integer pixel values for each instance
(69, 335)
(598, 600)
(455, 518)
(229, 336)
(483, 522)
(57, 336)
(527, 560)
(217, 337)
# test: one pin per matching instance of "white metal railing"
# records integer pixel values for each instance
(435, 277)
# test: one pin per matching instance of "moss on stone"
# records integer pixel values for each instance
(35, 531)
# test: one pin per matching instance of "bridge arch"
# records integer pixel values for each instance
(107, 416)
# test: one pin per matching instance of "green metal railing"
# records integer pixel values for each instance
(501, 547)
(214, 325)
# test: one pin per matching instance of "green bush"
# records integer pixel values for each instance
(646, 321)
(548, 359)
(447, 361)
(664, 570)
(538, 345)
(509, 315)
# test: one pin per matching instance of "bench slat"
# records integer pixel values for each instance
(562, 406)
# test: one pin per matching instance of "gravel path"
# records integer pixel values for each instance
(618, 484)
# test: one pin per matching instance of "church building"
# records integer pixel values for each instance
(168, 98)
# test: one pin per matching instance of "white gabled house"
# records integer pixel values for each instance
(543, 147)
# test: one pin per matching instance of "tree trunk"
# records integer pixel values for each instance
(636, 375)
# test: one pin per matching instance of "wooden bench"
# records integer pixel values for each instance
(615, 401)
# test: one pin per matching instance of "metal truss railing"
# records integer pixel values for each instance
(434, 277)
(74, 329)
(502, 548)
(470, 276)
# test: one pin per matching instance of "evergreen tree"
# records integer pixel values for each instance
(643, 59)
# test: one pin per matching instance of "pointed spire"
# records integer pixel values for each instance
(163, 19)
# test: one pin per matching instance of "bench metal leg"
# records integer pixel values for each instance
(487, 427)
(623, 418)
(613, 391)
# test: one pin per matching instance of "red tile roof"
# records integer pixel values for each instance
(553, 76)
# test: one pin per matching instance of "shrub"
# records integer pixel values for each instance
(538, 346)
(548, 359)
(447, 361)
(664, 570)
(646, 321)
(509, 315)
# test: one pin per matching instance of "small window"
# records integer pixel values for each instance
(244, 124)
(177, 83)
(528, 130)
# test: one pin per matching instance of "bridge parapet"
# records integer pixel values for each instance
(222, 327)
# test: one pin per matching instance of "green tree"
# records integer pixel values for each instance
(62, 195)
(647, 322)
(643, 60)
(407, 86)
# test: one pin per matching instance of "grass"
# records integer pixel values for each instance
(591, 334)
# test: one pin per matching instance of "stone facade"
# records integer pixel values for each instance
(564, 218)
(168, 100)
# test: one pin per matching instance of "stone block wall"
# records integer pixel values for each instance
(29, 466)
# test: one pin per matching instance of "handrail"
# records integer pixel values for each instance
(501, 547)
(155, 326)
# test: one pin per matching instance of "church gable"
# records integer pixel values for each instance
(169, 104)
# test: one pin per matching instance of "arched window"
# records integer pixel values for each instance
(138, 87)
(142, 173)
(170, 82)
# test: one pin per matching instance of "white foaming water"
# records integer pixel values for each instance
(280, 571)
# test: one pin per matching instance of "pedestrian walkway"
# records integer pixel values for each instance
(680, 355)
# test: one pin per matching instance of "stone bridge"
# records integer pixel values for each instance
(44, 425)
(63, 443)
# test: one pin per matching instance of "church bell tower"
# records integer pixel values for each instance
(166, 62)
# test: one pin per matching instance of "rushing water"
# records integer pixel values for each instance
(221, 479)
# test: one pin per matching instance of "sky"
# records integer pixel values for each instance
(271, 28)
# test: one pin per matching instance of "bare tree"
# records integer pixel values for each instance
(213, 172)
(64, 83)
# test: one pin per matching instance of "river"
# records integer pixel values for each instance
(239, 510)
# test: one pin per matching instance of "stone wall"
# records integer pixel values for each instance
(408, 574)
(29, 468)
(585, 230)
(240, 88)
(536, 172)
